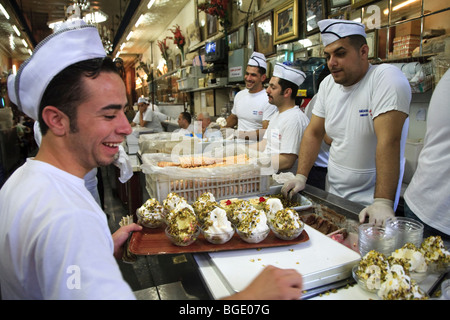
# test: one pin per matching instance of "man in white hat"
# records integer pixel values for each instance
(148, 116)
(251, 110)
(283, 135)
(364, 109)
(55, 242)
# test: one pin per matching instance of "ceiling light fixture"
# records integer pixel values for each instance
(16, 30)
(3, 10)
(150, 4)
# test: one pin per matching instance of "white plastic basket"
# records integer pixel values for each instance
(159, 186)
(237, 180)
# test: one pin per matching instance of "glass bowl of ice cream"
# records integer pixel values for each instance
(217, 229)
(286, 224)
(182, 238)
(182, 226)
(150, 214)
(252, 226)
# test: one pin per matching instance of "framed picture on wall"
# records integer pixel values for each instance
(264, 35)
(314, 12)
(360, 3)
(339, 14)
(286, 22)
(212, 25)
(339, 3)
(372, 41)
(178, 60)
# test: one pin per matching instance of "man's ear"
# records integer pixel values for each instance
(56, 120)
(364, 50)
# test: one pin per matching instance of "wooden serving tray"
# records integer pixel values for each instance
(154, 241)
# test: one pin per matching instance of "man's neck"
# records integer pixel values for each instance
(286, 106)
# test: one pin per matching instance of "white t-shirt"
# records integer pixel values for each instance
(252, 109)
(427, 195)
(153, 119)
(54, 239)
(349, 114)
(284, 133)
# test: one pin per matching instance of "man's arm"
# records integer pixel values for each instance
(285, 160)
(388, 129)
(310, 144)
(255, 134)
(232, 120)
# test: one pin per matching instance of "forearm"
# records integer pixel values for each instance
(388, 170)
(309, 150)
(255, 135)
(285, 160)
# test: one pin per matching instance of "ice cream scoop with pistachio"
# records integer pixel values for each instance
(217, 228)
(413, 256)
(434, 250)
(399, 286)
(252, 225)
(372, 269)
(286, 224)
(171, 201)
(182, 224)
(236, 209)
(150, 214)
(272, 206)
(204, 205)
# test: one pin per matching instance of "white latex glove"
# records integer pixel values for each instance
(377, 212)
(294, 186)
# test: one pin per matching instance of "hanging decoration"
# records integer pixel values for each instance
(219, 9)
(178, 39)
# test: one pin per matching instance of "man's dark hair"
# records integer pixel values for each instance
(357, 41)
(285, 84)
(66, 90)
(187, 116)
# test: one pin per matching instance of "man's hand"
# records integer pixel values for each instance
(121, 235)
(294, 186)
(273, 284)
(380, 210)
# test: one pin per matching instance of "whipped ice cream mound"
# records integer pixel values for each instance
(204, 205)
(171, 201)
(415, 259)
(236, 209)
(434, 251)
(272, 206)
(399, 286)
(286, 224)
(252, 226)
(217, 228)
(372, 269)
(150, 214)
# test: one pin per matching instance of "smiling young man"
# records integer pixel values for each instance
(251, 110)
(55, 242)
(363, 108)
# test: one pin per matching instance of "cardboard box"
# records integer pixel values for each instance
(407, 28)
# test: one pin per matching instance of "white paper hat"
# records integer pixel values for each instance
(74, 42)
(257, 59)
(290, 74)
(142, 100)
(334, 29)
(11, 91)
